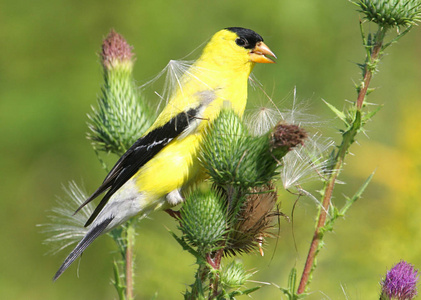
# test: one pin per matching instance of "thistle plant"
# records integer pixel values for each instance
(387, 15)
(119, 120)
(121, 117)
(236, 213)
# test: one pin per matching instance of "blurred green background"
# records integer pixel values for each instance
(50, 76)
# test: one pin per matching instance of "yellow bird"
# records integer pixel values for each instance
(153, 172)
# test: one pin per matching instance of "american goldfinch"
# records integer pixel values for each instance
(153, 172)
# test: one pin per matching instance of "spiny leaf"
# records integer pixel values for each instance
(337, 112)
(357, 195)
(292, 282)
(185, 246)
(371, 114)
(245, 292)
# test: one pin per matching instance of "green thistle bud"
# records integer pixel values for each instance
(232, 156)
(391, 13)
(225, 147)
(202, 219)
(120, 118)
(234, 275)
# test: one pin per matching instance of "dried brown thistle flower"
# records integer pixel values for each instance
(257, 216)
(287, 136)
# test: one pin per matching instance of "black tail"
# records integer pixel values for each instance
(83, 244)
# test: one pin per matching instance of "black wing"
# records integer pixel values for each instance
(82, 245)
(143, 150)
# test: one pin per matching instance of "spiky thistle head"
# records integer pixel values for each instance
(234, 275)
(400, 282)
(202, 219)
(231, 155)
(116, 52)
(122, 115)
(391, 13)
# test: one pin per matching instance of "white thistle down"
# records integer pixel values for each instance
(263, 118)
(171, 74)
(306, 163)
(65, 228)
(298, 113)
(175, 74)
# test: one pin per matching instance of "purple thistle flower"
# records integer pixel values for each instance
(115, 50)
(400, 282)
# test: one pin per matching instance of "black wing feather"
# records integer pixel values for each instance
(143, 150)
(83, 244)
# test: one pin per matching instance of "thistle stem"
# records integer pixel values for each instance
(374, 53)
(215, 262)
(317, 236)
(129, 261)
(370, 65)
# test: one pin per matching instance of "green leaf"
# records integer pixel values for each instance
(292, 282)
(185, 246)
(155, 296)
(371, 114)
(395, 40)
(337, 112)
(244, 292)
(357, 195)
(348, 136)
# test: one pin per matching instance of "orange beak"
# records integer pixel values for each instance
(258, 54)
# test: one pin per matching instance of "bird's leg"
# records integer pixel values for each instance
(173, 213)
(174, 197)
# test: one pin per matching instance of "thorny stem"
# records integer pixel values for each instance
(314, 246)
(215, 262)
(370, 66)
(369, 69)
(129, 261)
(200, 277)
(117, 283)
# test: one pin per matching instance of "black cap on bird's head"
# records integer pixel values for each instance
(247, 38)
(251, 40)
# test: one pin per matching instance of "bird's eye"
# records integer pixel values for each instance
(241, 42)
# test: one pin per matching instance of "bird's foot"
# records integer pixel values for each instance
(174, 213)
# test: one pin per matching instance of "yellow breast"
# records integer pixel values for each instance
(225, 78)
